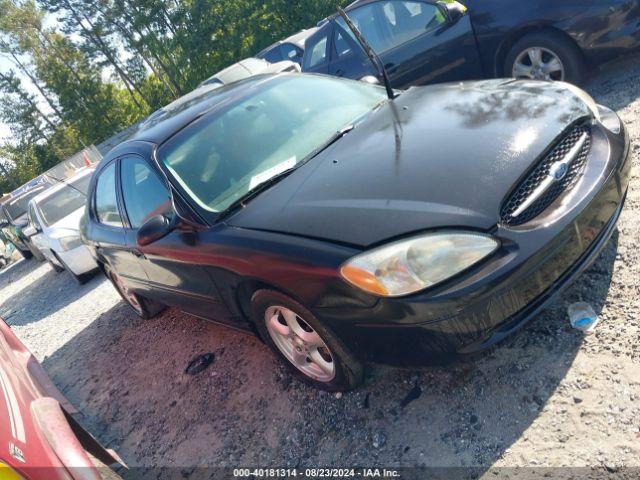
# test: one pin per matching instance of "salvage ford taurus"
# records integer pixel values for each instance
(345, 227)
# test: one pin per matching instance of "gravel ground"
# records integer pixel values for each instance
(547, 397)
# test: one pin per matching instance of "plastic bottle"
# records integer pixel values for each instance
(582, 317)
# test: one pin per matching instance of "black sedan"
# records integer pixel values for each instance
(424, 41)
(344, 227)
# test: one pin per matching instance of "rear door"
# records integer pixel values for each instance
(316, 53)
(417, 42)
(347, 57)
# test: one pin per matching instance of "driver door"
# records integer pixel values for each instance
(175, 276)
(417, 41)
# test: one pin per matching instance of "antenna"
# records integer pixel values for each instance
(373, 56)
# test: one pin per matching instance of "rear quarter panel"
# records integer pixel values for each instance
(601, 29)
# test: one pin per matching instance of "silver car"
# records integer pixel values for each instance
(54, 221)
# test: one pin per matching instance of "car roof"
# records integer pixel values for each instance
(59, 186)
(157, 130)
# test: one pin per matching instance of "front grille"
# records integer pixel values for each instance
(541, 171)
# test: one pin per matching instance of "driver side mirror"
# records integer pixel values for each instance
(155, 228)
(454, 11)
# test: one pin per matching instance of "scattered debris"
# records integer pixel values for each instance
(582, 317)
(379, 440)
(413, 394)
(199, 363)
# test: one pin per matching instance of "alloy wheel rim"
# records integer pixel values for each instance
(538, 63)
(300, 343)
(128, 295)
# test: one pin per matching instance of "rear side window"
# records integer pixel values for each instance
(145, 196)
(316, 53)
(106, 203)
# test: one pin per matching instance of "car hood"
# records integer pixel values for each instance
(437, 156)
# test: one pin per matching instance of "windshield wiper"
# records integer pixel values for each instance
(261, 187)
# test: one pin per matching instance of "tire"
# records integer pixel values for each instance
(37, 254)
(550, 43)
(347, 370)
(26, 254)
(55, 267)
(142, 307)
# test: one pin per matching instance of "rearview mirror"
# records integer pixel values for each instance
(154, 229)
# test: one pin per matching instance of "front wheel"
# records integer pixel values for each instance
(309, 349)
(545, 55)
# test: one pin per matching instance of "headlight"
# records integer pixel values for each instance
(69, 243)
(585, 97)
(411, 265)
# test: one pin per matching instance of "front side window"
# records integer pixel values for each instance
(388, 24)
(145, 196)
(225, 154)
(106, 203)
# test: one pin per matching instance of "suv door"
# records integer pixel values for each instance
(171, 263)
(417, 41)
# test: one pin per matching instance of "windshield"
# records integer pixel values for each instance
(65, 201)
(18, 207)
(224, 155)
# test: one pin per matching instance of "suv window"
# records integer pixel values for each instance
(388, 24)
(317, 53)
(341, 44)
(106, 202)
(144, 195)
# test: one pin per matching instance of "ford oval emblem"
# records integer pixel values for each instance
(558, 171)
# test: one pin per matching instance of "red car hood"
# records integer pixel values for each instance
(38, 437)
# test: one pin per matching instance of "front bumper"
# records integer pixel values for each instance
(78, 260)
(535, 262)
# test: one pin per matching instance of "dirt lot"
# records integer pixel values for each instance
(547, 397)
